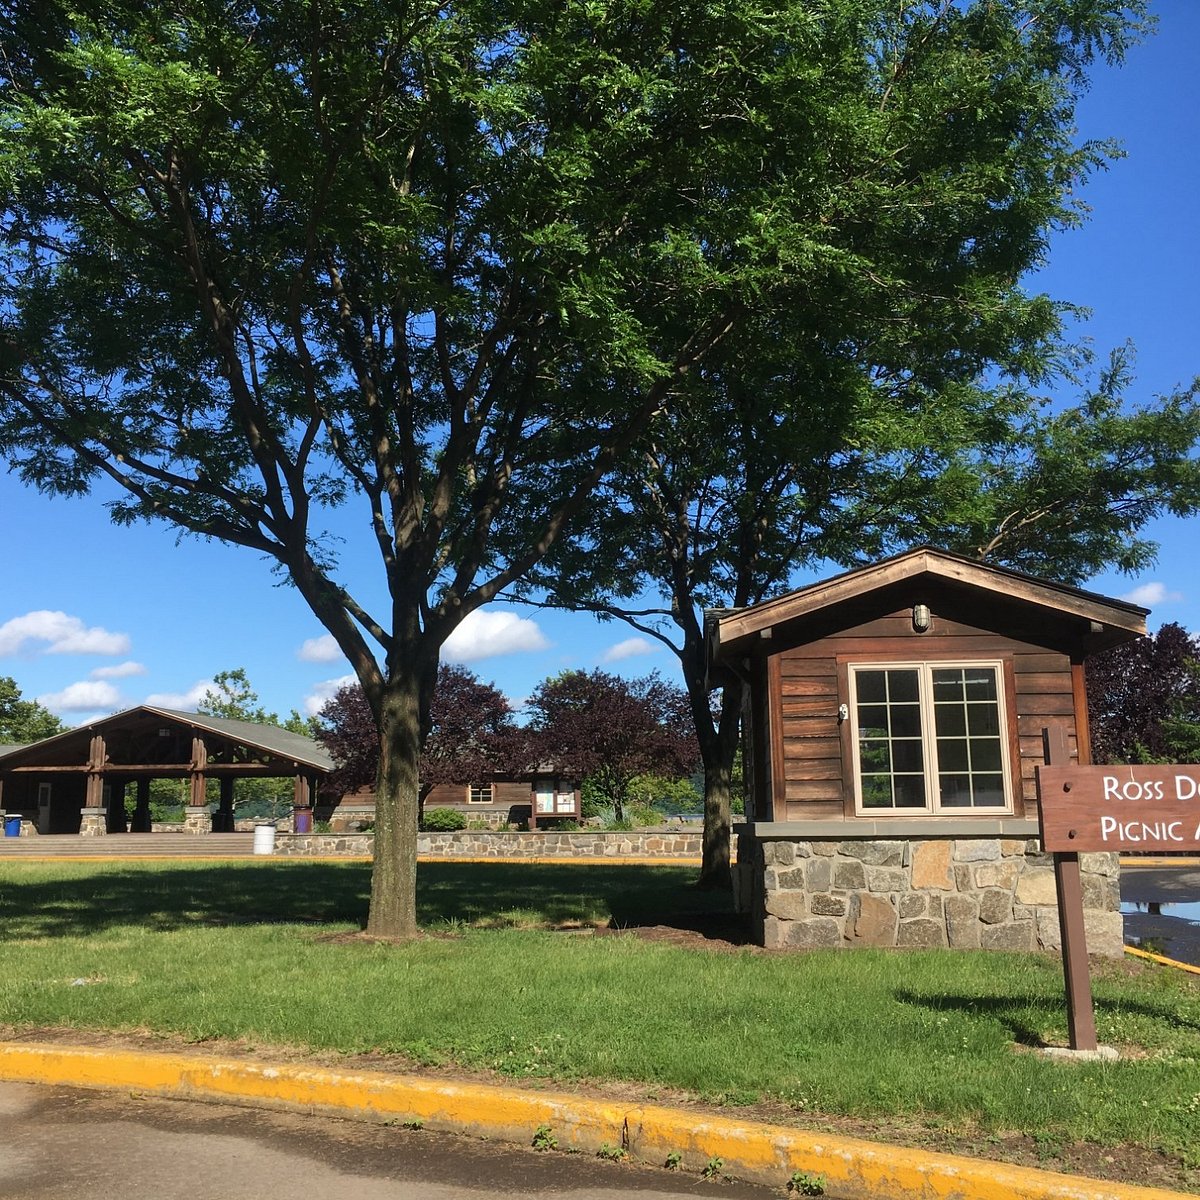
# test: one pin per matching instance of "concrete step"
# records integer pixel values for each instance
(129, 845)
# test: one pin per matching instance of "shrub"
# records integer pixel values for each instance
(644, 814)
(443, 820)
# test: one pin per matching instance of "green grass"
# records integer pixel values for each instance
(243, 951)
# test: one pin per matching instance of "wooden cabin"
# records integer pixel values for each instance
(894, 718)
(498, 801)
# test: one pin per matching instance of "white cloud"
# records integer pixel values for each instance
(630, 648)
(183, 701)
(320, 649)
(1150, 594)
(62, 634)
(85, 696)
(120, 671)
(323, 692)
(490, 634)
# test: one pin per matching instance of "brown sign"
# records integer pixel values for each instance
(1119, 808)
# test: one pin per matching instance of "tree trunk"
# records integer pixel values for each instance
(393, 912)
(718, 752)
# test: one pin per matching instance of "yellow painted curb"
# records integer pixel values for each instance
(1164, 860)
(853, 1169)
(1162, 959)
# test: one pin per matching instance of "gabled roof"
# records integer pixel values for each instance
(281, 743)
(1111, 621)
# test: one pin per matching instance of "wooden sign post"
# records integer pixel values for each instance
(1117, 808)
(1081, 1017)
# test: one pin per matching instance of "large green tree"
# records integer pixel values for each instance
(441, 262)
(23, 721)
(448, 263)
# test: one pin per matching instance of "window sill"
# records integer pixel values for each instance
(892, 828)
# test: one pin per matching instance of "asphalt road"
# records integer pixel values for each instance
(1162, 910)
(59, 1143)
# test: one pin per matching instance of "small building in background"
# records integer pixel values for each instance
(893, 721)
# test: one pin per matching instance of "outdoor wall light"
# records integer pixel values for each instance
(920, 617)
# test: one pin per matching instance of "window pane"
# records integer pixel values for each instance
(910, 791)
(985, 755)
(980, 683)
(950, 720)
(871, 686)
(952, 754)
(983, 719)
(877, 791)
(947, 685)
(902, 686)
(989, 791)
(872, 720)
(873, 755)
(906, 720)
(955, 791)
(907, 755)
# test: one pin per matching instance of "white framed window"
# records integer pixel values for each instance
(929, 737)
(479, 793)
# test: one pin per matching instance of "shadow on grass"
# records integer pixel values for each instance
(1012, 1011)
(81, 899)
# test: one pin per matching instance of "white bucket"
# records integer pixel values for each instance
(264, 839)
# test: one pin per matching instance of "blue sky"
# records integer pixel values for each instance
(95, 618)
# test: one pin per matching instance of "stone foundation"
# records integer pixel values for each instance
(474, 844)
(988, 893)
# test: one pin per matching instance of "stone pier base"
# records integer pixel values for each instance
(958, 892)
(93, 822)
(197, 820)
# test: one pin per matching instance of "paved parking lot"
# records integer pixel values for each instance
(67, 1143)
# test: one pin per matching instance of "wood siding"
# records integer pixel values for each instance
(811, 751)
(505, 794)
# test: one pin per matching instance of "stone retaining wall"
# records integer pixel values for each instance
(963, 893)
(470, 843)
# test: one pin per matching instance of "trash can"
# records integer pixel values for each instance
(264, 839)
(303, 820)
(12, 825)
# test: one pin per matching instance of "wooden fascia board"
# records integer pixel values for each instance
(815, 598)
(1068, 602)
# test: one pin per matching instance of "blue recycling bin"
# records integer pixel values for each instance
(12, 826)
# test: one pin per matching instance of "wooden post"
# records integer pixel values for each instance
(95, 779)
(117, 819)
(223, 818)
(199, 792)
(1081, 1019)
(141, 812)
